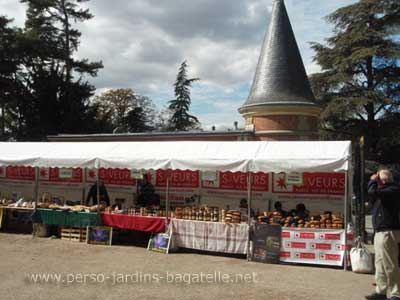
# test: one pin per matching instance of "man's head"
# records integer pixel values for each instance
(300, 207)
(243, 203)
(278, 205)
(385, 176)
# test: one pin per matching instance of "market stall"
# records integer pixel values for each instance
(16, 218)
(248, 158)
(66, 218)
(211, 236)
(137, 223)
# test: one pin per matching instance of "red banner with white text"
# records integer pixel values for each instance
(313, 183)
(18, 173)
(110, 176)
(60, 175)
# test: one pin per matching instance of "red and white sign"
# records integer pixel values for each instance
(111, 176)
(178, 178)
(323, 247)
(238, 181)
(20, 173)
(314, 183)
(54, 175)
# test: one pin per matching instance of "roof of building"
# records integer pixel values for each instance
(280, 76)
(147, 135)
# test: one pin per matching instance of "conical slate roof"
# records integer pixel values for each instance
(280, 76)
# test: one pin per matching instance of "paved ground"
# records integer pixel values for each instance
(21, 255)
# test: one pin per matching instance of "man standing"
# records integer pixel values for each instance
(146, 193)
(385, 198)
(92, 195)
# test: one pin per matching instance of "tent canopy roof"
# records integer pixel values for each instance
(204, 156)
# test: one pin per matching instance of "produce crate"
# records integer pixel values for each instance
(74, 234)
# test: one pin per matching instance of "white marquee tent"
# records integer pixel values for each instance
(312, 156)
(204, 156)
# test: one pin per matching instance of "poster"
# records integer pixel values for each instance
(99, 235)
(159, 243)
(308, 246)
(266, 243)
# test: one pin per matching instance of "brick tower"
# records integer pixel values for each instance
(281, 105)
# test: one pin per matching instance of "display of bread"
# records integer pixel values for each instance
(21, 203)
(314, 220)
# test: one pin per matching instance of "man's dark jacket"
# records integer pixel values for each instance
(385, 206)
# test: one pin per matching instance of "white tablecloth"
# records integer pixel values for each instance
(210, 236)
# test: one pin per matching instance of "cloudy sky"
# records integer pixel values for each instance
(143, 42)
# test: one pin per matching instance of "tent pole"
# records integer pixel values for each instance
(249, 186)
(36, 185)
(98, 189)
(362, 191)
(345, 219)
(36, 195)
(167, 202)
(83, 186)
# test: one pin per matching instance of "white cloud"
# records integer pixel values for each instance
(143, 42)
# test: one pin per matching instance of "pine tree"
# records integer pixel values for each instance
(181, 119)
(55, 79)
(360, 83)
(10, 63)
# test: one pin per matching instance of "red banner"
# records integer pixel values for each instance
(299, 245)
(238, 181)
(53, 175)
(307, 235)
(20, 173)
(179, 178)
(321, 246)
(112, 176)
(304, 255)
(313, 183)
(334, 257)
(331, 236)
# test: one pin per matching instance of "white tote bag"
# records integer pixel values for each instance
(361, 259)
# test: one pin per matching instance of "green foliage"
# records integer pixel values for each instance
(125, 111)
(359, 85)
(10, 57)
(50, 91)
(181, 120)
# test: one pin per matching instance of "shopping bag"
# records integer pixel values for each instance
(361, 258)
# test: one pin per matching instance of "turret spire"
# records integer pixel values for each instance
(280, 77)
